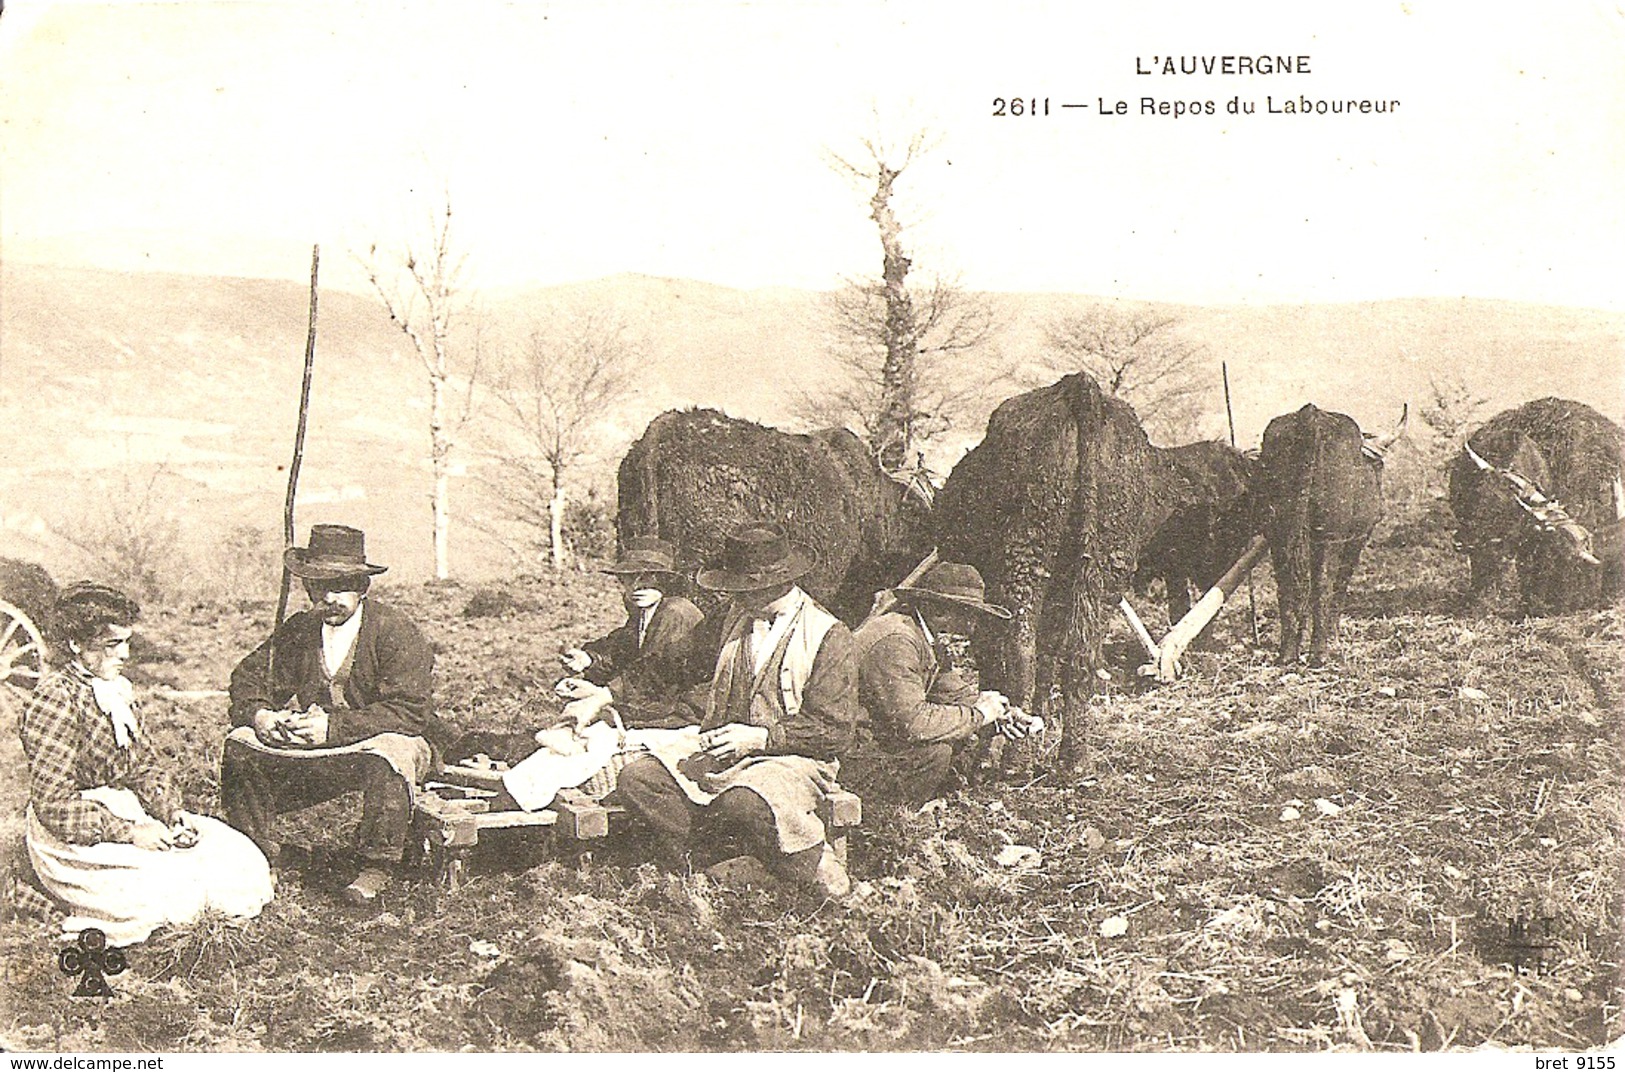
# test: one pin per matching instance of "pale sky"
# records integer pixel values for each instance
(686, 139)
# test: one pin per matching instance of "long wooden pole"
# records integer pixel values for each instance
(298, 447)
(887, 599)
(1230, 417)
(1140, 631)
(1188, 628)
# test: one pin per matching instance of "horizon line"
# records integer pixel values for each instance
(7, 262)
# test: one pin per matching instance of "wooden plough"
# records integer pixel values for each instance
(1164, 664)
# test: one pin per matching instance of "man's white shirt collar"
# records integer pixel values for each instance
(785, 604)
(770, 625)
(645, 616)
(337, 640)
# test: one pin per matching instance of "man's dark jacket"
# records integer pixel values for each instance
(910, 698)
(389, 689)
(654, 685)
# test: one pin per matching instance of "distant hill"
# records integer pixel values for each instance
(106, 374)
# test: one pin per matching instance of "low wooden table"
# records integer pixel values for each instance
(453, 807)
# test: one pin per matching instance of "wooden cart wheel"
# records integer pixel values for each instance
(22, 652)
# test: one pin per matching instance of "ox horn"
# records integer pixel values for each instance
(1380, 444)
(1478, 461)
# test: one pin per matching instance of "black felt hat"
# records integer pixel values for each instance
(955, 584)
(758, 556)
(646, 554)
(335, 551)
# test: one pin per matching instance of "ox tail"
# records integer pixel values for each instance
(1092, 568)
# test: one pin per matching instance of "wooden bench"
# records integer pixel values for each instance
(456, 805)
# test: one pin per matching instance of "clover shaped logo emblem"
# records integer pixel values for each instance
(92, 960)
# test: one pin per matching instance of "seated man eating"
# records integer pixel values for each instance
(648, 664)
(652, 669)
(921, 710)
(337, 700)
(782, 707)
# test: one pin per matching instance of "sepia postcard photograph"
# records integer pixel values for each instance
(833, 526)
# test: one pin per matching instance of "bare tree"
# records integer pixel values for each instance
(422, 289)
(555, 394)
(128, 533)
(1414, 474)
(1138, 357)
(894, 341)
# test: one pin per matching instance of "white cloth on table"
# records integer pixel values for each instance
(129, 892)
(536, 780)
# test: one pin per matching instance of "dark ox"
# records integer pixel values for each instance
(1319, 495)
(695, 475)
(1209, 526)
(1053, 507)
(1537, 489)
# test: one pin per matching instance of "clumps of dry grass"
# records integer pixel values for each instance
(1356, 848)
(495, 601)
(1258, 858)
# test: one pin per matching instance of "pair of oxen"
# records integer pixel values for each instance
(1065, 502)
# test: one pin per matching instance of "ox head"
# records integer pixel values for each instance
(1540, 513)
(919, 480)
(1376, 447)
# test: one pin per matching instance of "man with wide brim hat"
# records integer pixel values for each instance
(781, 709)
(951, 585)
(334, 552)
(649, 667)
(921, 710)
(757, 558)
(338, 699)
(647, 554)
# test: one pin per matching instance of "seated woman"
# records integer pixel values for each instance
(105, 831)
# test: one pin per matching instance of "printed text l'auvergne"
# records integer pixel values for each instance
(1245, 65)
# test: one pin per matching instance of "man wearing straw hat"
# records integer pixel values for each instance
(338, 700)
(782, 708)
(921, 710)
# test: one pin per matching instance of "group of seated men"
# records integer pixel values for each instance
(786, 698)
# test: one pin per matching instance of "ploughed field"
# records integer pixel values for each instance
(1255, 858)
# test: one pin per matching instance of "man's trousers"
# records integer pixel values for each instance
(256, 787)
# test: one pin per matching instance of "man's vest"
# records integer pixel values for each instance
(790, 664)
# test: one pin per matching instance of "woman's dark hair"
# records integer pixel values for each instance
(83, 611)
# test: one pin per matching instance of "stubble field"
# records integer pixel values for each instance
(1254, 858)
